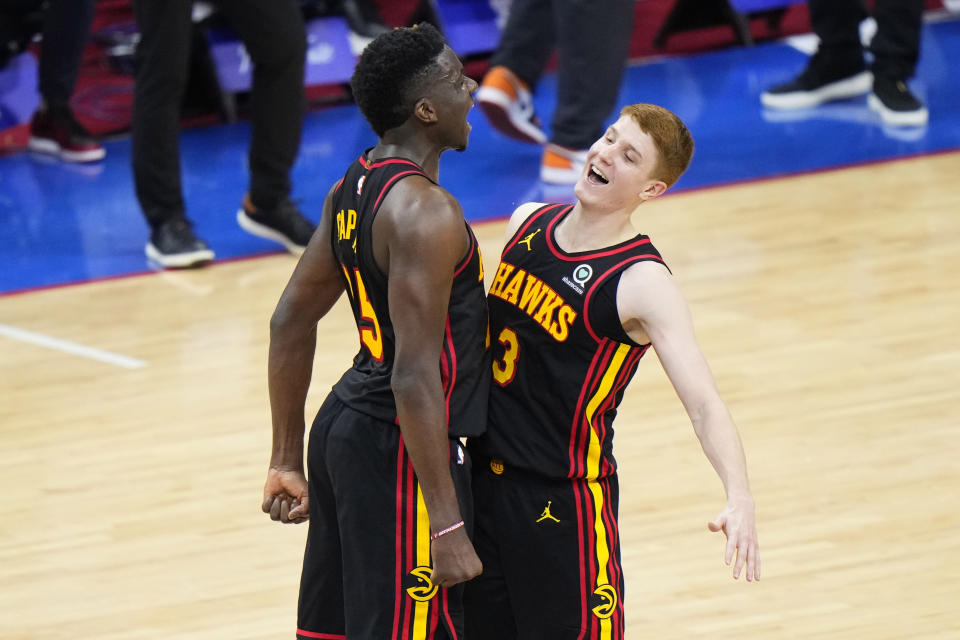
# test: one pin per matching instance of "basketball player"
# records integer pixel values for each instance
(388, 488)
(578, 298)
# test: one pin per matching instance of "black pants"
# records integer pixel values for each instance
(367, 562)
(895, 47)
(275, 37)
(66, 26)
(592, 38)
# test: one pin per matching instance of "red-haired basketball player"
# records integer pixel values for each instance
(578, 298)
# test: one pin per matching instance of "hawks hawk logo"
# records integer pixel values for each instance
(606, 597)
(420, 588)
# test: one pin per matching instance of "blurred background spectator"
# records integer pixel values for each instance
(592, 40)
(838, 70)
(65, 27)
(274, 35)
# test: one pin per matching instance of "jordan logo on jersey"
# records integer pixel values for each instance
(546, 515)
(529, 238)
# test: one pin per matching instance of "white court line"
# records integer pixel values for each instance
(71, 347)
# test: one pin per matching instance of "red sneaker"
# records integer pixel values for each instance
(59, 134)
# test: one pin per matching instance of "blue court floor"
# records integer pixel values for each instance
(63, 223)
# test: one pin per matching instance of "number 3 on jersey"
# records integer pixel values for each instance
(505, 369)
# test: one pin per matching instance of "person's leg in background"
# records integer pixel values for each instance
(66, 27)
(593, 42)
(896, 49)
(837, 24)
(525, 47)
(162, 58)
(275, 36)
(837, 70)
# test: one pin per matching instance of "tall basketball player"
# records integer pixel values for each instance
(577, 300)
(388, 491)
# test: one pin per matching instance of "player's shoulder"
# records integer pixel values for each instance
(417, 206)
(521, 214)
(416, 193)
(644, 286)
(643, 271)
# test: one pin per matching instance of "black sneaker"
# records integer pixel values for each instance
(891, 98)
(826, 78)
(173, 245)
(284, 224)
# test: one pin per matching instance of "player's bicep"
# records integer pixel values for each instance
(658, 308)
(423, 255)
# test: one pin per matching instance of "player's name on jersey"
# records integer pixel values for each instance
(346, 223)
(534, 297)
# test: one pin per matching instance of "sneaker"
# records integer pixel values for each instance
(58, 133)
(561, 165)
(284, 224)
(173, 245)
(508, 105)
(891, 98)
(823, 80)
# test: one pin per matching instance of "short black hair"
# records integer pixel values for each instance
(387, 71)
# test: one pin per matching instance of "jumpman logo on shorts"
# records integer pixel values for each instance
(546, 513)
(529, 238)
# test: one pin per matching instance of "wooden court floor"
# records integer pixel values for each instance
(827, 304)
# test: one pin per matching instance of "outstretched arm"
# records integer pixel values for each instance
(653, 310)
(314, 287)
(426, 239)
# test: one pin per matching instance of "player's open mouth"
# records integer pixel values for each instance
(595, 176)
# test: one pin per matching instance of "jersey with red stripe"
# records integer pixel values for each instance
(561, 359)
(464, 360)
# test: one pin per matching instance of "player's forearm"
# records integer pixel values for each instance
(290, 367)
(422, 416)
(721, 444)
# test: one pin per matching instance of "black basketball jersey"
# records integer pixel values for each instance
(561, 359)
(464, 360)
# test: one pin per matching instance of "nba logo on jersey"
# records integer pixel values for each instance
(360, 184)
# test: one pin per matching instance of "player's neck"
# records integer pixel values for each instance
(584, 229)
(398, 143)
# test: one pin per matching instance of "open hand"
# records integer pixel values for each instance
(738, 523)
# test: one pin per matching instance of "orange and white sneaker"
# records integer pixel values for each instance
(507, 102)
(561, 165)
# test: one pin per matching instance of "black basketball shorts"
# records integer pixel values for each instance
(367, 564)
(551, 557)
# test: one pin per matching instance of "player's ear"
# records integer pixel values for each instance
(652, 189)
(425, 111)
